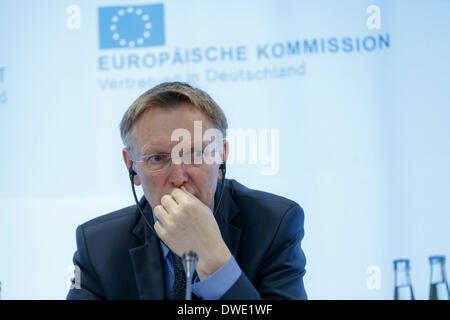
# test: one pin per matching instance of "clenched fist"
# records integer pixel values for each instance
(185, 223)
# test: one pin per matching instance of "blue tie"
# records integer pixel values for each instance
(178, 291)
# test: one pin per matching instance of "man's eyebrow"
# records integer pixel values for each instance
(153, 150)
(156, 150)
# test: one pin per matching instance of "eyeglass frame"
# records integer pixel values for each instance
(145, 158)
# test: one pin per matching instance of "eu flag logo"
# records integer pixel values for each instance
(131, 26)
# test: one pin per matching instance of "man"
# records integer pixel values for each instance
(250, 248)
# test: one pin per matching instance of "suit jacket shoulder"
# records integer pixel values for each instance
(102, 255)
(259, 207)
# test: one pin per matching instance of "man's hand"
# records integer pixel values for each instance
(185, 223)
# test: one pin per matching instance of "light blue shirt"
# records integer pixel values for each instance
(211, 288)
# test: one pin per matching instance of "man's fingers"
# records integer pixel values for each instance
(168, 202)
(187, 192)
(158, 228)
(179, 195)
(160, 214)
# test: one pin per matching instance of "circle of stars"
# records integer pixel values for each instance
(125, 42)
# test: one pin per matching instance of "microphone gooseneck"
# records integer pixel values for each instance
(190, 259)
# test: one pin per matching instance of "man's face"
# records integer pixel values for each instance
(152, 135)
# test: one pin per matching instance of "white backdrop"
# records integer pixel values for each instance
(362, 118)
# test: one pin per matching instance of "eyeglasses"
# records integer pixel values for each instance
(159, 162)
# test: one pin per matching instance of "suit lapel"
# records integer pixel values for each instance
(147, 259)
(231, 234)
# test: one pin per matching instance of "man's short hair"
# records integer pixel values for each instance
(170, 95)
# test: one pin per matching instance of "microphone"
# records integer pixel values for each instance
(190, 259)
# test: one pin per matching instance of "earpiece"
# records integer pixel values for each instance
(131, 173)
(223, 167)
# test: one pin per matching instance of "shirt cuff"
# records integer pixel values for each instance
(215, 286)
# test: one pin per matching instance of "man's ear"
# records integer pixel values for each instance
(224, 156)
(226, 149)
(126, 153)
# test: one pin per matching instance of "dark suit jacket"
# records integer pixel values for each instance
(120, 258)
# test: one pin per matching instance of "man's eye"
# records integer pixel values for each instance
(155, 158)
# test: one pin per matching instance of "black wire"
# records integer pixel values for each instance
(139, 206)
(224, 171)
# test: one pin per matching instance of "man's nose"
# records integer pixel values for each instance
(177, 175)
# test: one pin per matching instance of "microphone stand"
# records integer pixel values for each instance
(190, 259)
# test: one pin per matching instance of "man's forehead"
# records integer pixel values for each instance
(155, 128)
(166, 141)
(165, 145)
(158, 121)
